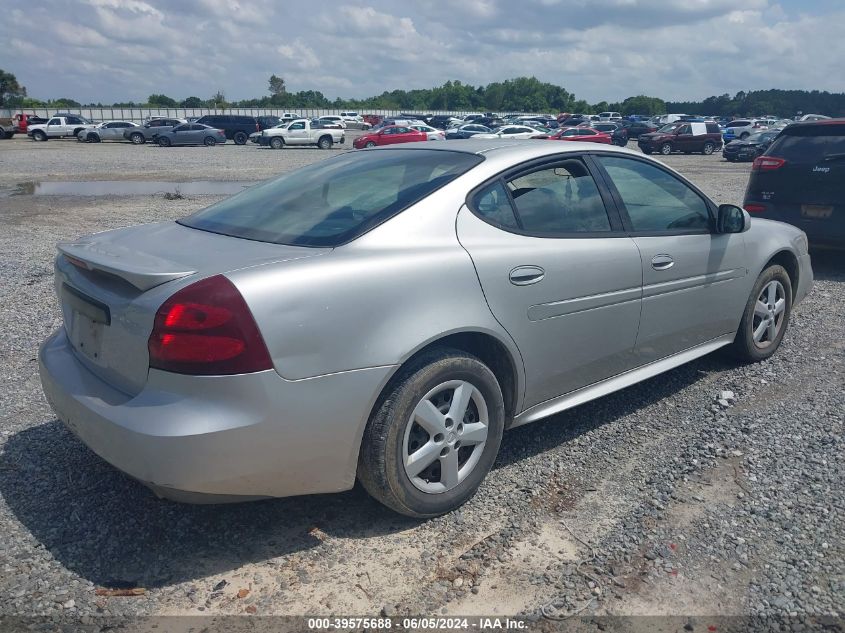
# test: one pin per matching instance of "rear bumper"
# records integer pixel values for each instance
(217, 438)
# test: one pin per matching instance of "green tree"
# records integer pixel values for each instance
(11, 92)
(65, 102)
(162, 101)
(192, 102)
(643, 105)
(276, 86)
(218, 100)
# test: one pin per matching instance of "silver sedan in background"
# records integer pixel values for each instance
(191, 134)
(386, 314)
(107, 131)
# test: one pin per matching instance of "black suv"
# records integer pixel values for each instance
(235, 126)
(801, 180)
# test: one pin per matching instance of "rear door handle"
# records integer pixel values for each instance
(526, 275)
(662, 262)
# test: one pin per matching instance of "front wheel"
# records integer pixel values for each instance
(369, 144)
(277, 142)
(434, 438)
(766, 316)
(39, 135)
(163, 141)
(666, 149)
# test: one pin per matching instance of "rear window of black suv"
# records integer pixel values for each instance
(809, 143)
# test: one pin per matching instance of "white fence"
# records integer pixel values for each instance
(138, 115)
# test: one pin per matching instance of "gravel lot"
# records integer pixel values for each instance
(674, 503)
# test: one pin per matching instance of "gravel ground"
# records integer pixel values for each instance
(658, 500)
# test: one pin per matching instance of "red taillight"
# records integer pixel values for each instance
(754, 208)
(767, 163)
(207, 329)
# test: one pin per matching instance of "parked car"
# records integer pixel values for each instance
(814, 117)
(742, 129)
(19, 123)
(191, 134)
(151, 129)
(302, 132)
(610, 116)
(467, 131)
(800, 179)
(328, 124)
(372, 119)
(666, 119)
(635, 128)
(750, 148)
(450, 266)
(514, 132)
(442, 121)
(106, 131)
(682, 137)
(267, 121)
(574, 121)
(432, 133)
(59, 127)
(583, 134)
(333, 119)
(352, 116)
(390, 135)
(618, 134)
(235, 126)
(8, 127)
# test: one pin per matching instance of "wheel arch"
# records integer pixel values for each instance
(789, 261)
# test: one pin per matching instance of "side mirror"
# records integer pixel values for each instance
(732, 219)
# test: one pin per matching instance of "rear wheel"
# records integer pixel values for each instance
(666, 149)
(744, 135)
(766, 316)
(137, 138)
(277, 142)
(708, 148)
(435, 436)
(163, 141)
(240, 138)
(325, 142)
(209, 141)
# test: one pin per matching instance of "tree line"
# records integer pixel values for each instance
(521, 94)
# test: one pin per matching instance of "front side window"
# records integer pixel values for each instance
(335, 200)
(654, 199)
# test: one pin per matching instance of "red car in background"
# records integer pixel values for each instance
(372, 119)
(390, 135)
(21, 121)
(583, 134)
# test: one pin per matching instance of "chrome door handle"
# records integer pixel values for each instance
(662, 262)
(526, 275)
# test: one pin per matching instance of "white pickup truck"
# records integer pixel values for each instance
(301, 132)
(59, 127)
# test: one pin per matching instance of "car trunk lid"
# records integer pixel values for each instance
(111, 284)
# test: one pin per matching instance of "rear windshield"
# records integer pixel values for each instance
(809, 144)
(336, 200)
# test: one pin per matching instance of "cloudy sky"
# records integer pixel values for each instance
(121, 50)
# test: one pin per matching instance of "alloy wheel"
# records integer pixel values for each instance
(445, 436)
(769, 312)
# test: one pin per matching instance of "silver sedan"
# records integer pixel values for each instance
(106, 131)
(385, 315)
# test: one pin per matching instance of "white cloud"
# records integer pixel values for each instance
(115, 50)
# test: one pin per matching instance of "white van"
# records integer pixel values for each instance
(610, 116)
(351, 116)
(669, 118)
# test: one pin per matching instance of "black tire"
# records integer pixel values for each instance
(744, 348)
(708, 148)
(209, 141)
(381, 468)
(163, 141)
(77, 131)
(8, 135)
(277, 142)
(744, 136)
(86, 139)
(666, 149)
(137, 138)
(647, 151)
(369, 144)
(325, 142)
(39, 135)
(240, 138)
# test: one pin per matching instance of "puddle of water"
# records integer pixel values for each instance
(127, 188)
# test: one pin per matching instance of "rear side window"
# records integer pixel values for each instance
(712, 128)
(810, 144)
(336, 200)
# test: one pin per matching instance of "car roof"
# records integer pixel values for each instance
(518, 150)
